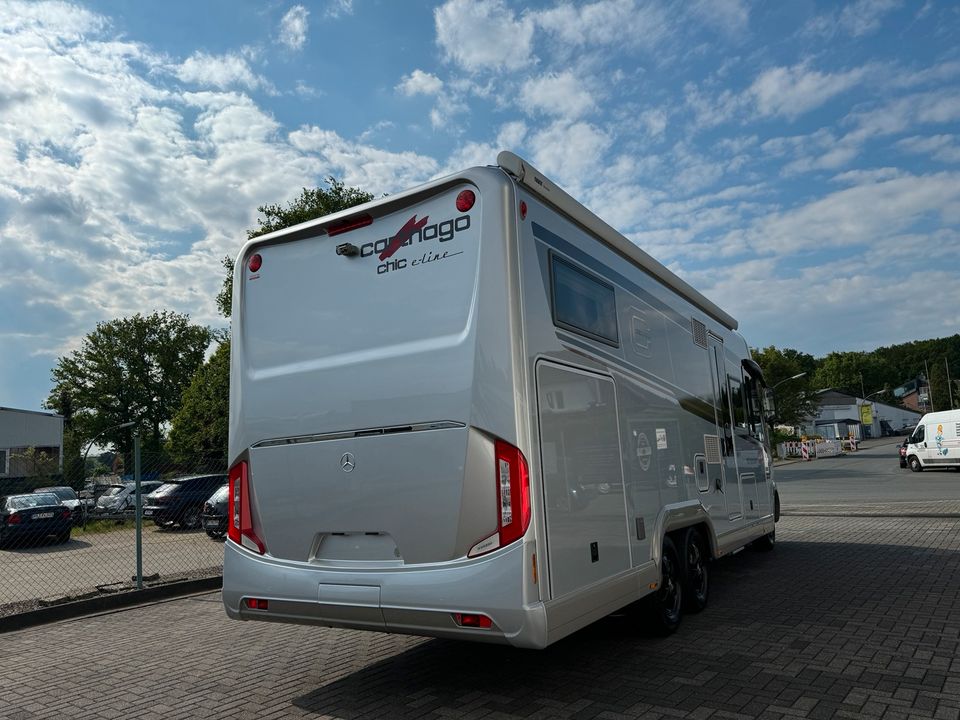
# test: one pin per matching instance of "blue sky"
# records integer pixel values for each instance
(798, 162)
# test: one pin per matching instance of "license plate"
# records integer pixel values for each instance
(211, 523)
(147, 513)
(42, 516)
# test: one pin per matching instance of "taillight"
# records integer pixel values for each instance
(65, 513)
(13, 519)
(465, 200)
(240, 529)
(513, 499)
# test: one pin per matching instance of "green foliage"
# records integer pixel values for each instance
(129, 369)
(199, 429)
(311, 204)
(796, 399)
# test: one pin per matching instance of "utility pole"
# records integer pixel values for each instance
(926, 376)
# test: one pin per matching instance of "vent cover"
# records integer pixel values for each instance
(711, 448)
(699, 332)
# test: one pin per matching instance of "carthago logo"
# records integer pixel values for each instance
(413, 232)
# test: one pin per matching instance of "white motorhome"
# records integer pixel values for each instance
(475, 410)
(935, 442)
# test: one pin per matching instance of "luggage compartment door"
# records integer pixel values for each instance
(582, 476)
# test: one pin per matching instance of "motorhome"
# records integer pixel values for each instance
(475, 410)
(935, 442)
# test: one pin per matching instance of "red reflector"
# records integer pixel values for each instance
(472, 620)
(257, 604)
(65, 513)
(255, 262)
(523, 210)
(465, 200)
(349, 224)
(13, 519)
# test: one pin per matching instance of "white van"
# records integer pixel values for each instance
(935, 442)
(475, 410)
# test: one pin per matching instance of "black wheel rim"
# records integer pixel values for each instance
(670, 592)
(697, 572)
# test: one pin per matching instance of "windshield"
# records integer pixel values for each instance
(22, 502)
(114, 490)
(64, 493)
(165, 489)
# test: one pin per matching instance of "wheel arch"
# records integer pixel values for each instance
(677, 517)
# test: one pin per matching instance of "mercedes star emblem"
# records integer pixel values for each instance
(347, 462)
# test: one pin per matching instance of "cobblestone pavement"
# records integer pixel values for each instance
(848, 617)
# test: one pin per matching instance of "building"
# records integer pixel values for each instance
(842, 414)
(21, 430)
(914, 394)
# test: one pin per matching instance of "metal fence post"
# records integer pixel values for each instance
(137, 505)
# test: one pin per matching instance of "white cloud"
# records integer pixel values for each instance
(634, 23)
(219, 71)
(792, 91)
(419, 83)
(729, 16)
(294, 26)
(560, 94)
(569, 152)
(863, 17)
(945, 148)
(483, 35)
(338, 8)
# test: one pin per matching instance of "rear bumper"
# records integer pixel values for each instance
(412, 600)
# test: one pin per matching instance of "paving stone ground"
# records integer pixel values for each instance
(855, 617)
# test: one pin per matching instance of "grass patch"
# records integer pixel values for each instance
(95, 527)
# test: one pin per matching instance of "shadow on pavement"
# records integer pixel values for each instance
(814, 623)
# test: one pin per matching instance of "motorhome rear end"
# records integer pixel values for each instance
(935, 442)
(474, 410)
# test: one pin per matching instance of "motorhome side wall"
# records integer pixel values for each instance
(625, 424)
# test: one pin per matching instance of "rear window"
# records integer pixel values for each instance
(64, 493)
(24, 502)
(114, 490)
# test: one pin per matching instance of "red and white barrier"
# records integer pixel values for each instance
(804, 451)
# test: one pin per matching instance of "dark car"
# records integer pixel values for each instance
(180, 501)
(68, 496)
(215, 512)
(903, 452)
(33, 517)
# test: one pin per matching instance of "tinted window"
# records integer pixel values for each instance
(583, 303)
(64, 493)
(22, 502)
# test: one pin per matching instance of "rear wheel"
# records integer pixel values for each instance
(665, 605)
(190, 520)
(64, 537)
(696, 580)
(915, 464)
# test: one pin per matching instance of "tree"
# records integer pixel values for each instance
(199, 429)
(310, 205)
(796, 399)
(133, 368)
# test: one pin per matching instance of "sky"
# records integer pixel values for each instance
(798, 162)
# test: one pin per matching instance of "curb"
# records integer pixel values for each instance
(847, 514)
(79, 608)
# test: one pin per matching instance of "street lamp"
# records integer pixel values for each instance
(795, 377)
(863, 404)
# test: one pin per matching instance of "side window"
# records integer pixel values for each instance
(754, 407)
(918, 435)
(736, 401)
(583, 303)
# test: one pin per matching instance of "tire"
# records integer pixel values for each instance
(914, 462)
(64, 537)
(665, 606)
(215, 534)
(776, 507)
(695, 577)
(766, 543)
(190, 520)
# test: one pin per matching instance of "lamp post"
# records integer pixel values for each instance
(775, 419)
(863, 404)
(794, 377)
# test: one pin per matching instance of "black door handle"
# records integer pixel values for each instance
(719, 485)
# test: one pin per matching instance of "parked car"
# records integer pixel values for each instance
(214, 513)
(181, 500)
(903, 452)
(68, 496)
(33, 517)
(120, 498)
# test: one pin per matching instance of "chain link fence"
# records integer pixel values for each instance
(60, 543)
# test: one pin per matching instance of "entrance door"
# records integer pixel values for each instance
(728, 482)
(580, 461)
